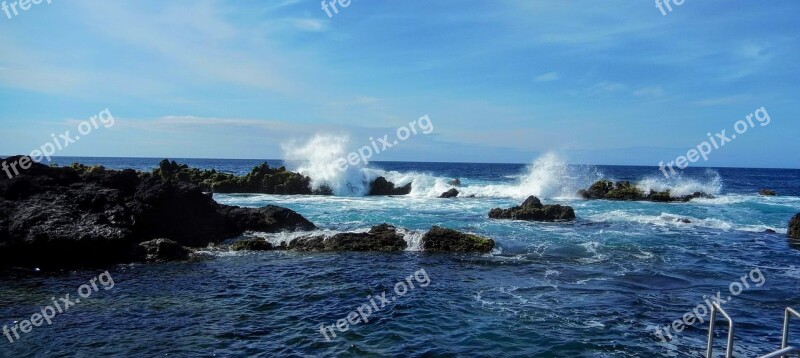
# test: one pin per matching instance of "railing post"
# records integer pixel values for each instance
(787, 316)
(712, 322)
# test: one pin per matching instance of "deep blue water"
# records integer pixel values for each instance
(593, 288)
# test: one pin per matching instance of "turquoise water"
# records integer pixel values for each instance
(596, 287)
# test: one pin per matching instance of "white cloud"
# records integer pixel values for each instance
(720, 101)
(654, 91)
(547, 77)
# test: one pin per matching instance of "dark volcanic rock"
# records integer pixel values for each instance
(381, 186)
(162, 250)
(382, 238)
(78, 216)
(624, 190)
(262, 179)
(533, 210)
(455, 182)
(767, 192)
(251, 245)
(452, 193)
(267, 219)
(794, 227)
(439, 239)
(769, 231)
(307, 243)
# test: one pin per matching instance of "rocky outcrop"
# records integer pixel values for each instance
(80, 216)
(439, 239)
(251, 245)
(767, 192)
(262, 179)
(626, 191)
(381, 186)
(533, 210)
(384, 238)
(269, 219)
(452, 193)
(455, 182)
(162, 250)
(794, 227)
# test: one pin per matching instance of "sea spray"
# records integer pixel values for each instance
(548, 177)
(317, 159)
(679, 185)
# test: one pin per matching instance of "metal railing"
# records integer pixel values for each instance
(783, 352)
(711, 322)
(785, 348)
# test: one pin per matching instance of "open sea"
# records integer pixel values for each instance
(596, 287)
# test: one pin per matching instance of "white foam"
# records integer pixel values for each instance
(676, 221)
(679, 185)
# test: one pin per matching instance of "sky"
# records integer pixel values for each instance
(598, 82)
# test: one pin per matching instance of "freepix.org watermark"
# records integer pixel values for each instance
(699, 313)
(49, 312)
(327, 5)
(363, 313)
(716, 141)
(58, 143)
(365, 153)
(24, 5)
(661, 4)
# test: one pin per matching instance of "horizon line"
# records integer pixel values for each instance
(407, 161)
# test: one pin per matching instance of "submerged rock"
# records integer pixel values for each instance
(53, 217)
(455, 182)
(626, 191)
(162, 250)
(767, 192)
(794, 227)
(452, 193)
(383, 238)
(533, 210)
(439, 239)
(251, 245)
(381, 186)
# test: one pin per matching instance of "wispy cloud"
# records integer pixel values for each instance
(721, 101)
(654, 91)
(547, 77)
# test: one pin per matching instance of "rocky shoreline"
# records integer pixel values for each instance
(70, 217)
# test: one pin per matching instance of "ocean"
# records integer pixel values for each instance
(605, 285)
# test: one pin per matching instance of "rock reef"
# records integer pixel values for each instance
(626, 191)
(532, 209)
(387, 238)
(767, 192)
(794, 227)
(439, 239)
(452, 193)
(262, 179)
(381, 186)
(383, 238)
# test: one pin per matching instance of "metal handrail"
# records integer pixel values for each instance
(788, 315)
(781, 353)
(785, 348)
(711, 322)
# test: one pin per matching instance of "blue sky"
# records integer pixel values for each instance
(600, 82)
